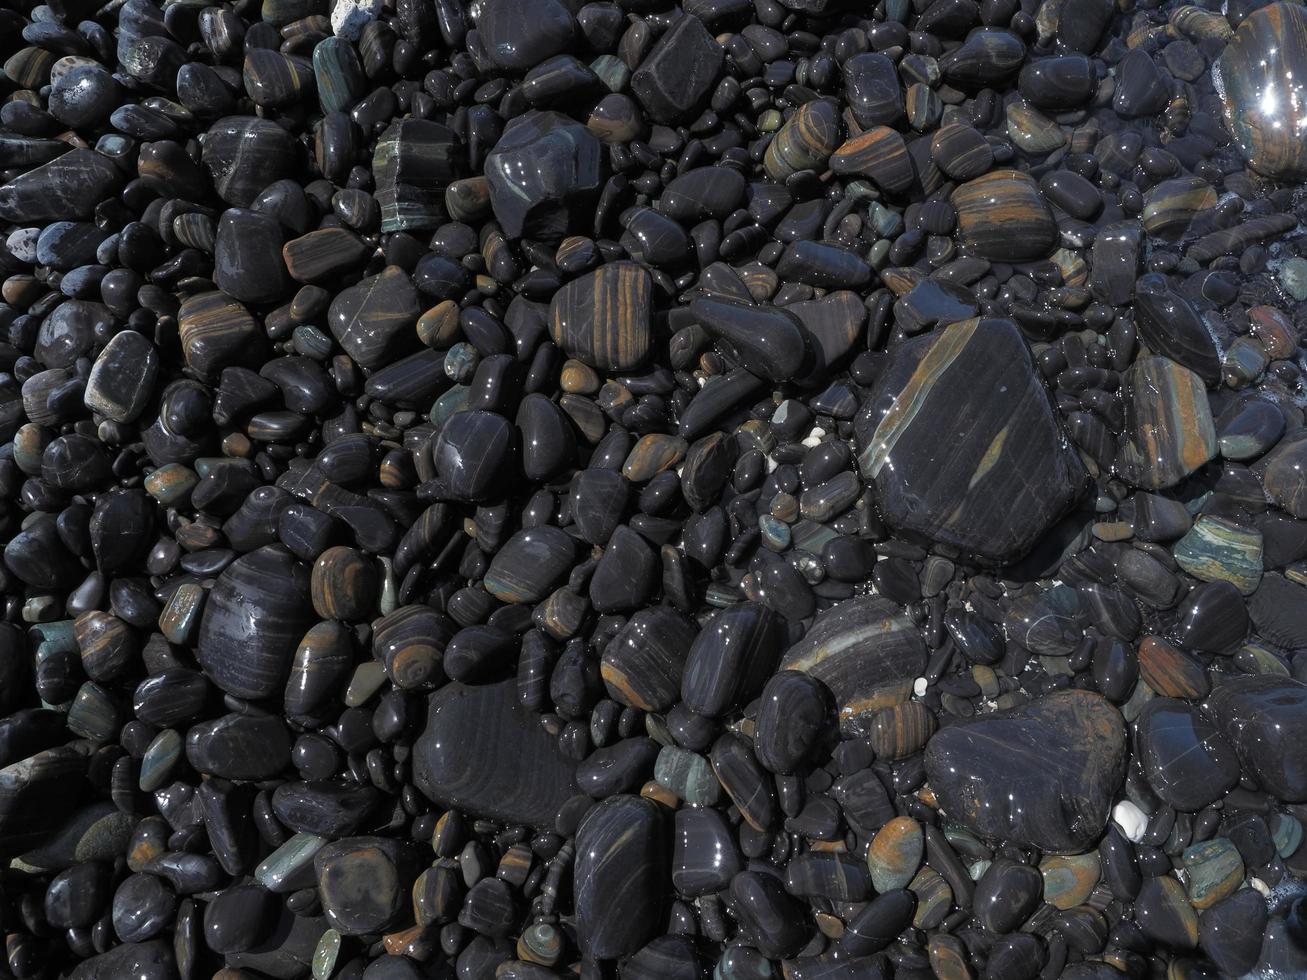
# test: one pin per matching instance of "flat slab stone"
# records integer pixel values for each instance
(960, 440)
(484, 753)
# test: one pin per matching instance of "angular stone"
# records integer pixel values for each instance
(1170, 432)
(374, 320)
(414, 161)
(68, 187)
(675, 77)
(1044, 773)
(122, 378)
(543, 174)
(1012, 473)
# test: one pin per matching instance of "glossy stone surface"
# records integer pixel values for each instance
(1002, 217)
(544, 171)
(603, 318)
(979, 496)
(735, 652)
(618, 879)
(1171, 432)
(514, 773)
(1186, 760)
(982, 770)
(1263, 717)
(1260, 78)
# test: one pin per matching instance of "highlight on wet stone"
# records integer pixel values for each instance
(651, 489)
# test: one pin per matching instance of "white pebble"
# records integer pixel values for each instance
(919, 687)
(22, 244)
(1260, 886)
(349, 17)
(1130, 820)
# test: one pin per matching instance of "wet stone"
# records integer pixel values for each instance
(1002, 217)
(518, 34)
(1186, 760)
(516, 774)
(365, 882)
(674, 78)
(373, 321)
(603, 319)
(1263, 716)
(981, 499)
(1076, 742)
(1171, 433)
(618, 883)
(543, 173)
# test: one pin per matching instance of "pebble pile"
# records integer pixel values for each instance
(653, 489)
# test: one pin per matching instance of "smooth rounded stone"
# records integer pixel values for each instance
(72, 330)
(735, 652)
(373, 321)
(410, 643)
(701, 193)
(239, 918)
(1069, 880)
(243, 155)
(475, 454)
(895, 853)
(324, 254)
(123, 376)
(519, 34)
(216, 331)
(75, 463)
(1265, 718)
(239, 747)
(84, 96)
(247, 257)
(544, 173)
(1212, 618)
(548, 442)
(806, 141)
(961, 151)
(1006, 895)
(618, 879)
(652, 454)
(1165, 914)
(1048, 623)
(1246, 430)
(796, 712)
(1185, 759)
(253, 619)
(152, 960)
(859, 648)
(530, 565)
(979, 374)
(1115, 262)
(674, 79)
(1282, 475)
(322, 807)
(900, 730)
(765, 340)
(66, 188)
(1276, 611)
(981, 770)
(1169, 324)
(1218, 550)
(705, 856)
(642, 665)
(688, 775)
(618, 768)
(603, 319)
(1060, 82)
(38, 558)
(1002, 217)
(770, 919)
(627, 575)
(513, 771)
(1259, 77)
(1171, 433)
(143, 906)
(76, 897)
(365, 882)
(338, 75)
(872, 89)
(1231, 932)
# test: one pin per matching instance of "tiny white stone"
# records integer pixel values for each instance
(22, 244)
(349, 17)
(771, 464)
(919, 687)
(1260, 886)
(1130, 820)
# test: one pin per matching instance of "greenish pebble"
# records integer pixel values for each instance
(1253, 658)
(171, 483)
(811, 537)
(159, 760)
(1293, 277)
(180, 620)
(612, 71)
(365, 682)
(54, 637)
(775, 532)
(887, 223)
(312, 342)
(770, 121)
(461, 362)
(1286, 832)
(389, 589)
(42, 609)
(688, 775)
(290, 867)
(325, 954)
(720, 596)
(1244, 362)
(454, 400)
(338, 73)
(1215, 549)
(94, 714)
(1214, 869)
(743, 963)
